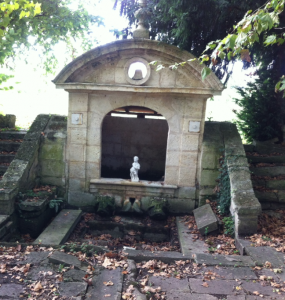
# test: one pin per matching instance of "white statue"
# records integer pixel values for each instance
(135, 169)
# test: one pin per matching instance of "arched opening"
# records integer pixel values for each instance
(134, 131)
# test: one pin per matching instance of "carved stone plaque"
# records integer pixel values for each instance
(194, 126)
(77, 119)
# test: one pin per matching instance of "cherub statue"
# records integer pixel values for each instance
(135, 169)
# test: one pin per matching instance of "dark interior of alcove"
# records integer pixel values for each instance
(124, 138)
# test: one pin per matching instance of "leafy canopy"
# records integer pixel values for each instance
(27, 25)
(260, 26)
(191, 24)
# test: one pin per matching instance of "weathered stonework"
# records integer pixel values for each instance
(23, 171)
(7, 121)
(97, 83)
(223, 138)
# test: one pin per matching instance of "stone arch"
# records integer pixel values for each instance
(124, 138)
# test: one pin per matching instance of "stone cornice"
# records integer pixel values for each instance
(87, 87)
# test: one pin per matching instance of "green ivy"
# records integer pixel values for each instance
(229, 226)
(224, 187)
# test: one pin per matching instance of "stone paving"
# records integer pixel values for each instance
(226, 281)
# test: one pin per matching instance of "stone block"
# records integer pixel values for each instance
(190, 142)
(81, 199)
(99, 106)
(224, 260)
(186, 193)
(187, 176)
(78, 102)
(175, 123)
(11, 291)
(52, 168)
(210, 159)
(245, 224)
(93, 154)
(52, 151)
(93, 170)
(173, 142)
(60, 228)
(187, 245)
(7, 121)
(94, 136)
(268, 171)
(76, 184)
(276, 184)
(77, 136)
(39, 205)
(171, 175)
(57, 181)
(205, 218)
(77, 169)
(209, 177)
(74, 275)
(99, 291)
(226, 287)
(76, 153)
(61, 258)
(173, 158)
(189, 159)
(260, 255)
(181, 206)
(194, 108)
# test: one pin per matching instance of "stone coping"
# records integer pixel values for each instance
(141, 89)
(124, 182)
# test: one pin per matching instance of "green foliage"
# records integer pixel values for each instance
(4, 78)
(224, 188)
(26, 25)
(261, 114)
(105, 205)
(191, 24)
(229, 226)
(55, 203)
(264, 25)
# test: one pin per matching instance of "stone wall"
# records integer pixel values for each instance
(52, 153)
(24, 169)
(7, 121)
(124, 138)
(222, 138)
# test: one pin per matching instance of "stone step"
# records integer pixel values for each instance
(268, 171)
(6, 158)
(269, 184)
(11, 135)
(249, 148)
(60, 228)
(5, 225)
(187, 245)
(266, 159)
(266, 196)
(9, 146)
(3, 169)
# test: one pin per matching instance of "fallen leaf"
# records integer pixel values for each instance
(38, 287)
(109, 283)
(205, 284)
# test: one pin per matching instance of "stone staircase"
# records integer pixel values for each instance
(10, 142)
(267, 164)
